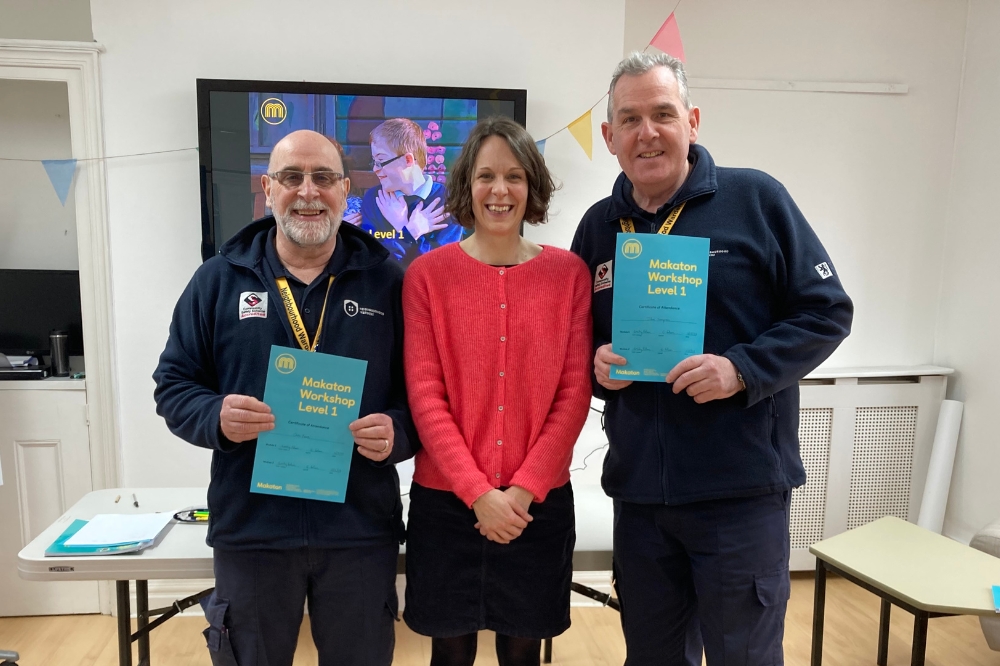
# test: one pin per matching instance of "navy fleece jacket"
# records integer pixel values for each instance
(776, 309)
(213, 352)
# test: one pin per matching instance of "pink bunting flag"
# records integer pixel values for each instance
(668, 39)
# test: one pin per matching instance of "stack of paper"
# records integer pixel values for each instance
(110, 534)
(22, 361)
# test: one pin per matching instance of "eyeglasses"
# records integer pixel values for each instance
(378, 165)
(321, 179)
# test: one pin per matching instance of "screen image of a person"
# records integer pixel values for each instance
(497, 348)
(406, 212)
(701, 466)
(273, 553)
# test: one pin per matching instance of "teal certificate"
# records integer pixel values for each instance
(658, 314)
(313, 398)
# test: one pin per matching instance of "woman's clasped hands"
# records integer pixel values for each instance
(502, 515)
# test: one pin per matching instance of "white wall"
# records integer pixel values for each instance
(46, 19)
(36, 231)
(870, 172)
(562, 52)
(969, 313)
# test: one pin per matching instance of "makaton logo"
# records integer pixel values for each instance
(273, 111)
(285, 364)
(632, 249)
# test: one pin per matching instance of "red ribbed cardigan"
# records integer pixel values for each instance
(498, 364)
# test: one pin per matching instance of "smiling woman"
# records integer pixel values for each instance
(510, 148)
(499, 190)
(497, 355)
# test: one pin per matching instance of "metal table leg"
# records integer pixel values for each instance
(124, 624)
(919, 638)
(920, 617)
(142, 619)
(883, 634)
(819, 608)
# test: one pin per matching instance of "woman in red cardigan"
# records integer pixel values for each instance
(498, 365)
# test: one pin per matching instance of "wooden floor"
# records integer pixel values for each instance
(595, 637)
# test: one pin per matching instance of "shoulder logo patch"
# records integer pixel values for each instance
(603, 276)
(824, 270)
(253, 304)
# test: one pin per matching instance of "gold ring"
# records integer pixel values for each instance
(386, 447)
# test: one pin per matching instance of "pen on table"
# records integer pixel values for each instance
(135, 502)
(117, 497)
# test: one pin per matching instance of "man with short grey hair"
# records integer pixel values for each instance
(701, 466)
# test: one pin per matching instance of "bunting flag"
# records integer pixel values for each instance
(583, 132)
(668, 39)
(61, 176)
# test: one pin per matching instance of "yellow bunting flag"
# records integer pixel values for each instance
(584, 134)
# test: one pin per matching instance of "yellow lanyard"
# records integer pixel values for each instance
(665, 228)
(295, 319)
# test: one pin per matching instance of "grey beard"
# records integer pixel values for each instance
(305, 234)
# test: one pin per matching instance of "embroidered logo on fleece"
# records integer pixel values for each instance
(602, 276)
(824, 270)
(253, 304)
(351, 308)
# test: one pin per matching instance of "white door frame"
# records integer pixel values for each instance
(77, 65)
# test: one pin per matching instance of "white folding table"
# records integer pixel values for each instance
(181, 553)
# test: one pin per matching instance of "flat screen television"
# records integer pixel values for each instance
(34, 303)
(239, 122)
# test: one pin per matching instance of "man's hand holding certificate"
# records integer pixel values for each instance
(658, 318)
(314, 398)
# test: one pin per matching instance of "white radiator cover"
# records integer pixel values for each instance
(865, 436)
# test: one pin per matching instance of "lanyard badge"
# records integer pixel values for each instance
(665, 228)
(295, 319)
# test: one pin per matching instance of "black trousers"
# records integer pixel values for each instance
(707, 575)
(255, 612)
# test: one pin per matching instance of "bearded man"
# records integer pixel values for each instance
(274, 553)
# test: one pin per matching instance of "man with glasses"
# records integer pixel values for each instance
(406, 212)
(273, 553)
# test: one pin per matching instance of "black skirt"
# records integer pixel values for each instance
(458, 582)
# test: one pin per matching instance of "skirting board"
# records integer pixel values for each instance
(163, 593)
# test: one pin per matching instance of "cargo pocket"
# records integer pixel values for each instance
(773, 588)
(217, 633)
